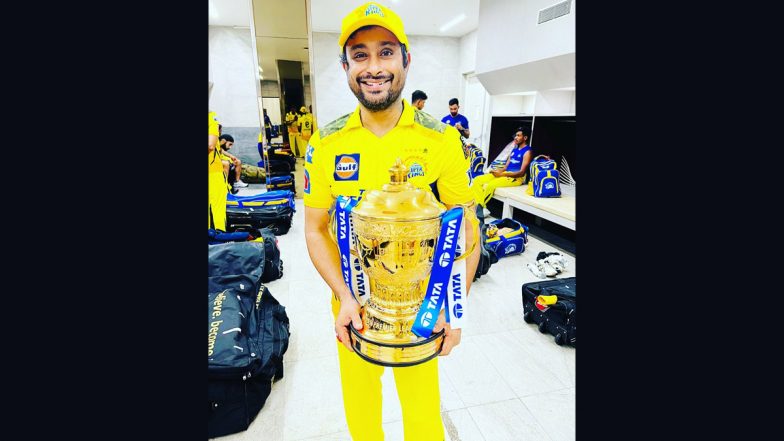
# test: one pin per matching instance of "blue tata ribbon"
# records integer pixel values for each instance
(343, 207)
(443, 259)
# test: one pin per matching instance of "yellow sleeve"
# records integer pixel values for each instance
(453, 182)
(317, 190)
(214, 124)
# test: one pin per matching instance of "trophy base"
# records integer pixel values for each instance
(396, 355)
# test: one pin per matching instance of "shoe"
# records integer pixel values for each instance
(240, 184)
(556, 261)
(549, 271)
(535, 270)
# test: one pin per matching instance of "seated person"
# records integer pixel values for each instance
(226, 141)
(510, 175)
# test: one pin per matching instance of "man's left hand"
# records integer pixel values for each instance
(451, 337)
(497, 173)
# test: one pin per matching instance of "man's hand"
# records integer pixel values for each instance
(497, 173)
(459, 127)
(349, 313)
(451, 337)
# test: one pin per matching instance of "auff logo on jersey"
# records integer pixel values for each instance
(307, 182)
(347, 167)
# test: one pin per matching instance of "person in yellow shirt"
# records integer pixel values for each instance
(293, 129)
(305, 122)
(352, 154)
(216, 184)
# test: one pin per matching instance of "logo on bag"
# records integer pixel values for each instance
(444, 259)
(307, 182)
(549, 186)
(347, 167)
(426, 318)
(457, 311)
(510, 248)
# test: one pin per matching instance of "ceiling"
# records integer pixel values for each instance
(281, 27)
(420, 17)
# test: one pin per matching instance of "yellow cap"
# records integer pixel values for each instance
(372, 14)
(303, 109)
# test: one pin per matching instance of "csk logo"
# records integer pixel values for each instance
(415, 170)
(373, 9)
(347, 167)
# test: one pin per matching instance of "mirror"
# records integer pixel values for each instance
(234, 83)
(283, 60)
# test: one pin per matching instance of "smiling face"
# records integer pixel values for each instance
(374, 68)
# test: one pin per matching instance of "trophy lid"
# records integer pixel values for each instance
(399, 199)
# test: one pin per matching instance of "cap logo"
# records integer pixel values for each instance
(373, 9)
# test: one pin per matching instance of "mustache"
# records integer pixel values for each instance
(375, 77)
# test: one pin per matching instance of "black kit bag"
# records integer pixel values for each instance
(558, 319)
(265, 242)
(281, 182)
(273, 264)
(273, 209)
(248, 333)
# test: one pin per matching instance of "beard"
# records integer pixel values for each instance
(380, 101)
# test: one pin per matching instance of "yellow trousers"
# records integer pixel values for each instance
(417, 388)
(294, 142)
(217, 200)
(484, 186)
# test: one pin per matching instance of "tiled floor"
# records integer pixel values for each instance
(505, 381)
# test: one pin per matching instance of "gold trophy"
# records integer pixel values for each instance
(396, 229)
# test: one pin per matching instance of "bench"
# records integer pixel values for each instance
(559, 210)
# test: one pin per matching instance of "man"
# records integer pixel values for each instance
(267, 126)
(365, 144)
(457, 120)
(510, 175)
(293, 130)
(418, 99)
(216, 179)
(226, 142)
(305, 123)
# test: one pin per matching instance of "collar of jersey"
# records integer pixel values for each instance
(406, 119)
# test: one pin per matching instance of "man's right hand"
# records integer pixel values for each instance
(349, 313)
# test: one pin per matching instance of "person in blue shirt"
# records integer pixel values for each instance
(510, 175)
(456, 120)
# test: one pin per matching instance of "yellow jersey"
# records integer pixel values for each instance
(305, 123)
(291, 122)
(344, 158)
(214, 157)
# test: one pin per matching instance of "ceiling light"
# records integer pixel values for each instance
(452, 22)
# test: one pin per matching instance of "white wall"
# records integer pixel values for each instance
(231, 67)
(554, 102)
(468, 52)
(434, 69)
(509, 35)
(512, 105)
